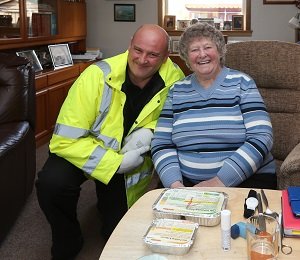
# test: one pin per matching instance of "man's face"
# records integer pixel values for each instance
(147, 52)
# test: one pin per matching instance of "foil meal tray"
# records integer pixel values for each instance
(171, 236)
(202, 207)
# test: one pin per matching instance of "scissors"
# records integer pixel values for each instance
(285, 249)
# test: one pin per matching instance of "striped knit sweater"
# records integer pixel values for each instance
(222, 131)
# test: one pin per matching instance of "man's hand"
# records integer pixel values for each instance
(139, 138)
(132, 159)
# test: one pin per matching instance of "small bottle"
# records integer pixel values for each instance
(225, 229)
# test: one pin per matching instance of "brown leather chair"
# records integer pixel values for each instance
(275, 67)
(17, 138)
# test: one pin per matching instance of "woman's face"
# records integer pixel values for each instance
(204, 58)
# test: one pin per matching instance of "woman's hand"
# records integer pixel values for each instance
(214, 182)
(176, 184)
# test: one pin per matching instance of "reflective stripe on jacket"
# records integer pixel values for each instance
(89, 128)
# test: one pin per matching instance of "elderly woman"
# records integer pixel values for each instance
(214, 129)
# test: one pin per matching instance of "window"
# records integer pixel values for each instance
(218, 11)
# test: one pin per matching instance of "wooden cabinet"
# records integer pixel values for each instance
(41, 128)
(27, 23)
(73, 19)
(51, 90)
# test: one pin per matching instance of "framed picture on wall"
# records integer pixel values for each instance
(124, 12)
(32, 57)
(169, 22)
(60, 55)
(237, 22)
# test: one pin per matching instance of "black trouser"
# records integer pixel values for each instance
(58, 190)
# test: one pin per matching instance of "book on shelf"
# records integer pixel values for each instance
(41, 24)
(291, 223)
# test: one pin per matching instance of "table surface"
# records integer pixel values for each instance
(126, 242)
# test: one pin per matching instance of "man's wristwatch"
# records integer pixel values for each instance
(250, 204)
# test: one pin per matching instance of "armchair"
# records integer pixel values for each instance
(275, 67)
(17, 138)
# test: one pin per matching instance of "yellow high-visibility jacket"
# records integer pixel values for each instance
(89, 128)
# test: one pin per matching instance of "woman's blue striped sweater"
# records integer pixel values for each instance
(222, 131)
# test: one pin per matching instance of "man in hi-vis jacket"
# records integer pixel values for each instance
(103, 132)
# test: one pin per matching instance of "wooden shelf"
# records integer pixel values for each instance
(236, 33)
(67, 23)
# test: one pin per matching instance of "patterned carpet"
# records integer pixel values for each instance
(30, 238)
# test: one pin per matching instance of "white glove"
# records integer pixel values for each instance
(132, 159)
(139, 138)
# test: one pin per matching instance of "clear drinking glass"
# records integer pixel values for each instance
(262, 245)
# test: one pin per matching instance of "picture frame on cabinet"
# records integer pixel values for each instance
(124, 12)
(169, 22)
(175, 46)
(227, 25)
(32, 57)
(237, 22)
(183, 24)
(60, 55)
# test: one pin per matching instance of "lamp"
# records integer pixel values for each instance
(295, 21)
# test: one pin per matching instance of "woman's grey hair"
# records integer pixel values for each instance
(201, 30)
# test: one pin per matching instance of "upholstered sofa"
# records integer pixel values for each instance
(275, 66)
(17, 140)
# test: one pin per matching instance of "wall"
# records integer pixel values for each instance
(268, 22)
(113, 37)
